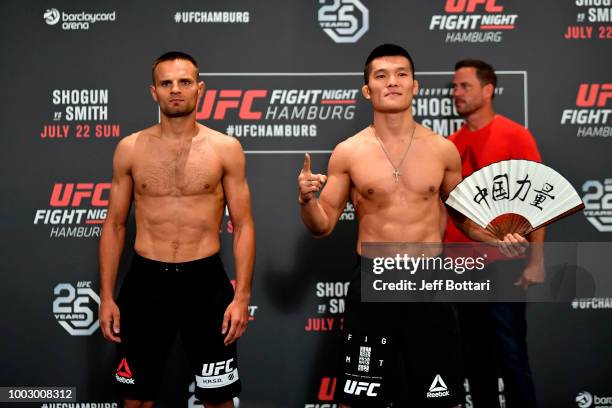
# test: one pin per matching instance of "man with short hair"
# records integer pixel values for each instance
(494, 329)
(394, 172)
(181, 174)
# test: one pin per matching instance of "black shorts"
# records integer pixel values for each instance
(159, 300)
(399, 354)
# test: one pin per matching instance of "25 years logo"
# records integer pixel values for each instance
(344, 21)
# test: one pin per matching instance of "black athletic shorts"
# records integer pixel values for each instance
(399, 354)
(159, 300)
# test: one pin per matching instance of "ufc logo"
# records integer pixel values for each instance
(356, 388)
(469, 6)
(71, 194)
(593, 95)
(327, 389)
(209, 369)
(230, 99)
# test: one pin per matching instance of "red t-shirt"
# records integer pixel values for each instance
(501, 139)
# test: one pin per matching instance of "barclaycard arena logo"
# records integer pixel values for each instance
(592, 21)
(76, 21)
(331, 297)
(597, 200)
(51, 16)
(76, 308)
(348, 214)
(344, 21)
(585, 399)
(76, 210)
(591, 113)
(473, 21)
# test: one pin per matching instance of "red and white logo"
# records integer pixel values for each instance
(473, 21)
(75, 209)
(123, 373)
(591, 113)
(260, 106)
(282, 111)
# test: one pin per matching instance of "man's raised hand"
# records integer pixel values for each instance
(309, 183)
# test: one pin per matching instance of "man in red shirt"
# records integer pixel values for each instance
(494, 329)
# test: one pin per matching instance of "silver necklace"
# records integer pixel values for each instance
(396, 170)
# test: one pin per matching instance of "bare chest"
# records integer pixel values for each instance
(177, 171)
(376, 179)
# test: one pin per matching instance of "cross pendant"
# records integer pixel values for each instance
(396, 175)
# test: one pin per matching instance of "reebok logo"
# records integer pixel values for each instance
(438, 388)
(124, 374)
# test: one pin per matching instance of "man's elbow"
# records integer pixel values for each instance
(322, 233)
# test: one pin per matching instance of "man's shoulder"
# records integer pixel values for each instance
(354, 142)
(359, 137)
(227, 148)
(346, 150)
(218, 139)
(509, 125)
(142, 134)
(128, 142)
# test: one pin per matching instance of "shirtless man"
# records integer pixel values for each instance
(181, 174)
(395, 172)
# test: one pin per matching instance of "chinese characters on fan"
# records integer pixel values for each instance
(500, 190)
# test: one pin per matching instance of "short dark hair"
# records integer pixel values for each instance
(385, 50)
(171, 56)
(484, 72)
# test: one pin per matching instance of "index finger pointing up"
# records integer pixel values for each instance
(306, 163)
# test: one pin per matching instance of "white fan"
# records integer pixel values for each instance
(515, 196)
